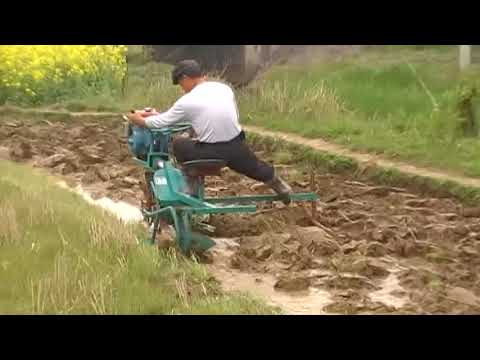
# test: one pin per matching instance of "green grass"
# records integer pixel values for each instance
(399, 101)
(307, 159)
(147, 83)
(60, 255)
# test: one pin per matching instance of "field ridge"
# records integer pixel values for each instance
(319, 144)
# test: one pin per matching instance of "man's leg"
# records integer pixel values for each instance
(244, 161)
(237, 155)
(239, 158)
(185, 149)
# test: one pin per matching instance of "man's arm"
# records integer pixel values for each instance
(170, 117)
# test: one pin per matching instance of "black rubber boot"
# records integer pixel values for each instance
(281, 188)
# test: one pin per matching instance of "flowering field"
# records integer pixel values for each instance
(40, 74)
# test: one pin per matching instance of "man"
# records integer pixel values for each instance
(212, 110)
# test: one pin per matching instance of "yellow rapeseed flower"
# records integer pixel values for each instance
(48, 68)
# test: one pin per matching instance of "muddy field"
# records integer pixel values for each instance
(369, 249)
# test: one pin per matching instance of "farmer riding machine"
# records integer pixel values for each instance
(174, 203)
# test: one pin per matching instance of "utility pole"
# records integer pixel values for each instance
(465, 57)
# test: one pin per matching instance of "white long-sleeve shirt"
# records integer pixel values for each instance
(211, 109)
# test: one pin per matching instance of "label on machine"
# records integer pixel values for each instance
(160, 181)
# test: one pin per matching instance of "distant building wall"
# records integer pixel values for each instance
(237, 63)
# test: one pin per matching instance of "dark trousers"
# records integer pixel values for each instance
(235, 153)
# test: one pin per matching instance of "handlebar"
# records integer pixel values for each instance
(172, 129)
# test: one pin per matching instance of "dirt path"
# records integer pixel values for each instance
(368, 159)
(370, 249)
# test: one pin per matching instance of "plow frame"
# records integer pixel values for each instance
(177, 207)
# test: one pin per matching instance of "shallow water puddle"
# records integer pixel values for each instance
(124, 211)
(385, 294)
(310, 302)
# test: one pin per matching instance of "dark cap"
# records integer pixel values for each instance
(189, 68)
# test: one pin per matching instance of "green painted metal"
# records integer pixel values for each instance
(141, 162)
(172, 129)
(201, 190)
(175, 206)
(201, 242)
(167, 212)
(194, 202)
(184, 231)
(258, 198)
(186, 238)
(224, 209)
(168, 182)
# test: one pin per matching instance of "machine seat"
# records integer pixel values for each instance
(206, 167)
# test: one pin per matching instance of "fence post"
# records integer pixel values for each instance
(465, 56)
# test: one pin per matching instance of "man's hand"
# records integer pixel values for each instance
(137, 118)
(148, 112)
